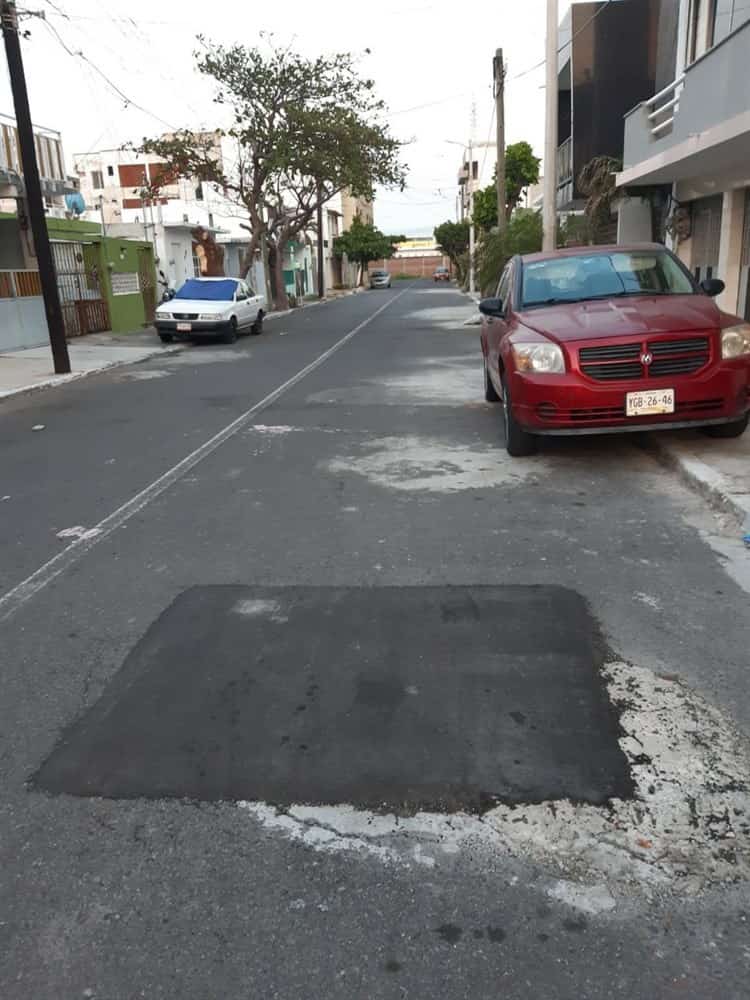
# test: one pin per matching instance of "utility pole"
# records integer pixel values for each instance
(321, 276)
(32, 184)
(472, 238)
(550, 132)
(498, 69)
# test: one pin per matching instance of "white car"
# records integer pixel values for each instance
(227, 307)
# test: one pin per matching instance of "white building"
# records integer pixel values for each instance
(687, 148)
(115, 185)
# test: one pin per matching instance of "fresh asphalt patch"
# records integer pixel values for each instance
(397, 698)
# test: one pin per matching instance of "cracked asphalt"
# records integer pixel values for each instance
(381, 468)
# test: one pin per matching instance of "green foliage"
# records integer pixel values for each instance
(485, 207)
(597, 182)
(453, 240)
(362, 242)
(523, 235)
(521, 170)
(573, 231)
(303, 130)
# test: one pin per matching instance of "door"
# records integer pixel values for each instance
(496, 327)
(706, 236)
(147, 279)
(743, 305)
(244, 306)
(77, 270)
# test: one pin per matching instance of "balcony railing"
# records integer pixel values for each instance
(662, 108)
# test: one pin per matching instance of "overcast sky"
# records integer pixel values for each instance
(434, 58)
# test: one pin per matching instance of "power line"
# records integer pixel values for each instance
(565, 44)
(129, 102)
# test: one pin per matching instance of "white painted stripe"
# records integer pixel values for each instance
(24, 591)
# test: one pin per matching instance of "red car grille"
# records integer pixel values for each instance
(624, 362)
(601, 414)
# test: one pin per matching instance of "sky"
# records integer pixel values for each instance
(431, 62)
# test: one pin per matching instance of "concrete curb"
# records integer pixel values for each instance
(702, 478)
(55, 381)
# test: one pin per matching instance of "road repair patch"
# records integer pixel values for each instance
(414, 464)
(396, 700)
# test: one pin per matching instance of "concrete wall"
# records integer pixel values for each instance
(22, 323)
(634, 221)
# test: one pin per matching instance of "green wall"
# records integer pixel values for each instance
(126, 312)
(111, 256)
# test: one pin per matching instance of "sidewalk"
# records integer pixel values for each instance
(26, 371)
(717, 469)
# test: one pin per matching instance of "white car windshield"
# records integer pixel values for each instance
(208, 291)
(603, 276)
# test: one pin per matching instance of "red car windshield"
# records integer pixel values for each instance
(603, 276)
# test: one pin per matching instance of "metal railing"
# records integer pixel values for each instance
(666, 102)
(20, 284)
(565, 160)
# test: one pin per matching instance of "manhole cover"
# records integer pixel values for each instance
(405, 699)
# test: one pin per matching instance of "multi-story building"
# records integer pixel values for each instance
(133, 197)
(609, 54)
(687, 146)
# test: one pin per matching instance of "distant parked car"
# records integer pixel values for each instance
(607, 339)
(380, 279)
(224, 307)
(441, 274)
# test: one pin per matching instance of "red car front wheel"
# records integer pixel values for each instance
(518, 442)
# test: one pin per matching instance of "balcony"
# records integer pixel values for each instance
(49, 155)
(698, 126)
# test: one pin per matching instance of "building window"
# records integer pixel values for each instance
(110, 171)
(97, 180)
(725, 17)
(210, 220)
(199, 193)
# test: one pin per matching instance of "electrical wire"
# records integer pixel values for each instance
(565, 44)
(129, 102)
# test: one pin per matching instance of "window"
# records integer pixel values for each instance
(726, 16)
(199, 193)
(503, 287)
(110, 171)
(603, 276)
(97, 180)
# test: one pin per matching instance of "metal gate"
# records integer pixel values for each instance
(77, 268)
(147, 278)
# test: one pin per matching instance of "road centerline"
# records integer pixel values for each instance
(16, 597)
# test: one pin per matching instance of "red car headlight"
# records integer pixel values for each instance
(540, 358)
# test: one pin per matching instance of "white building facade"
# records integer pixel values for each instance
(689, 145)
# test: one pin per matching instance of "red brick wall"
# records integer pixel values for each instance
(414, 266)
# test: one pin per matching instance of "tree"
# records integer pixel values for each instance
(521, 170)
(596, 182)
(302, 130)
(362, 243)
(452, 239)
(523, 235)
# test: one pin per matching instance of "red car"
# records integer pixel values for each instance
(441, 274)
(613, 338)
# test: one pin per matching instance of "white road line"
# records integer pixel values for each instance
(24, 591)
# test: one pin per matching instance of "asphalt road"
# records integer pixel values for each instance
(344, 596)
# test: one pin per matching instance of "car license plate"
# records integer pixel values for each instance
(644, 404)
(184, 327)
